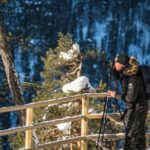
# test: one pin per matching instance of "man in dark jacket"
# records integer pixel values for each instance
(135, 99)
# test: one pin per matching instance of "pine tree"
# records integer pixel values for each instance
(57, 72)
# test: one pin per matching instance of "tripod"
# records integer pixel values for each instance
(104, 116)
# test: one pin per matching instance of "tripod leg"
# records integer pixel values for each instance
(102, 121)
(120, 111)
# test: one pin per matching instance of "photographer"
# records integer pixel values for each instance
(135, 99)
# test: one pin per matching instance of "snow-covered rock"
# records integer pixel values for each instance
(71, 53)
(77, 85)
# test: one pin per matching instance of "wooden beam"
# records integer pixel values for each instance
(109, 116)
(52, 101)
(110, 136)
(55, 143)
(84, 122)
(41, 124)
(99, 115)
(28, 133)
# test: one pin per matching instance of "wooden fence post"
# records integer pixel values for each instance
(84, 122)
(28, 133)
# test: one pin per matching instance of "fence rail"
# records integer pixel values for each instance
(84, 117)
(52, 101)
(41, 124)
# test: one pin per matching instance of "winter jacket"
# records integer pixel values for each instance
(137, 106)
(132, 85)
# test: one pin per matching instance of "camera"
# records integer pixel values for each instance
(110, 65)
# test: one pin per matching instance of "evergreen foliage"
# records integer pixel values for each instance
(57, 72)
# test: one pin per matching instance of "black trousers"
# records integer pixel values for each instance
(135, 127)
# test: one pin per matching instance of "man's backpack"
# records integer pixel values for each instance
(145, 70)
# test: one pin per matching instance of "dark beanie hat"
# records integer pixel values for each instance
(122, 58)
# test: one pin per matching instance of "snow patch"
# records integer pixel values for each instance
(77, 85)
(71, 53)
(44, 117)
(66, 127)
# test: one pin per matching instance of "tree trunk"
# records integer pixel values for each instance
(11, 74)
(10, 70)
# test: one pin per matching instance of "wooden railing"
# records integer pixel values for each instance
(84, 117)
